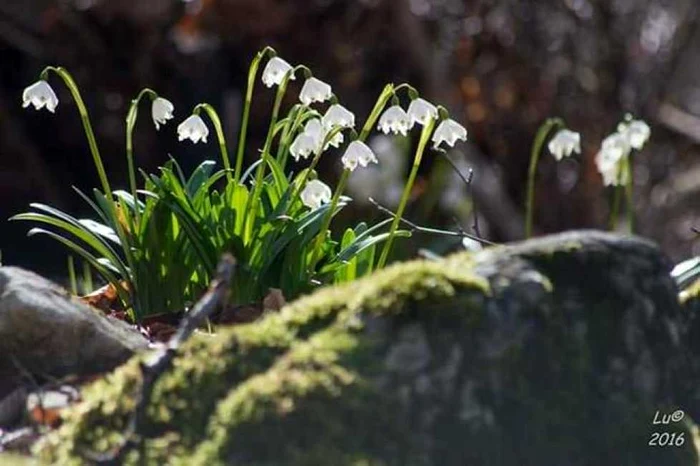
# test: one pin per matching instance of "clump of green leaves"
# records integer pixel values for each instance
(159, 242)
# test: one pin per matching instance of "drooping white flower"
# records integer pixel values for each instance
(358, 153)
(193, 128)
(613, 150)
(565, 143)
(274, 72)
(637, 132)
(315, 194)
(421, 111)
(395, 120)
(314, 90)
(40, 94)
(337, 115)
(303, 146)
(161, 111)
(449, 132)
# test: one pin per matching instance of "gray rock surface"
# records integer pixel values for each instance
(555, 351)
(47, 333)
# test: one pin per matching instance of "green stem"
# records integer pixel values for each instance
(316, 255)
(130, 124)
(111, 204)
(214, 117)
(252, 75)
(540, 139)
(424, 138)
(302, 115)
(252, 204)
(615, 209)
(85, 118)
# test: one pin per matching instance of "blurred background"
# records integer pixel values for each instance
(500, 66)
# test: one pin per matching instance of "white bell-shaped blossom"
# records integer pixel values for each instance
(565, 143)
(161, 111)
(358, 153)
(614, 149)
(421, 111)
(315, 129)
(395, 120)
(274, 72)
(449, 132)
(637, 132)
(303, 146)
(40, 94)
(310, 140)
(315, 194)
(338, 116)
(315, 90)
(194, 129)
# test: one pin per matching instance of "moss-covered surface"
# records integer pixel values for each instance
(557, 351)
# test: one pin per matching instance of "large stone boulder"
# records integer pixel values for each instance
(560, 350)
(46, 333)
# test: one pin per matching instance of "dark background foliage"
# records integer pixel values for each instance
(501, 66)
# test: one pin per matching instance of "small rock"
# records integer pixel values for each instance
(46, 332)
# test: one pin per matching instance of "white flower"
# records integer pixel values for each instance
(315, 194)
(193, 128)
(421, 111)
(315, 129)
(161, 111)
(471, 244)
(40, 94)
(614, 149)
(314, 90)
(309, 141)
(358, 153)
(637, 132)
(274, 72)
(303, 146)
(449, 131)
(395, 120)
(337, 115)
(565, 143)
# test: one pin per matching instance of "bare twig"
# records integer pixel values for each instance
(468, 182)
(434, 231)
(161, 360)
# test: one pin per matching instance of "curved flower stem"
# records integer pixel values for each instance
(214, 117)
(252, 204)
(85, 118)
(252, 75)
(130, 124)
(424, 138)
(317, 158)
(382, 100)
(315, 256)
(540, 139)
(104, 181)
(299, 119)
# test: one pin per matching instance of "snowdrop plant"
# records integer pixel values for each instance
(563, 144)
(159, 245)
(614, 164)
(448, 132)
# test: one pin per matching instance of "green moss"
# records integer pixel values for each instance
(252, 379)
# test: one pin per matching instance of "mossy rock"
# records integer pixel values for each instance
(554, 351)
